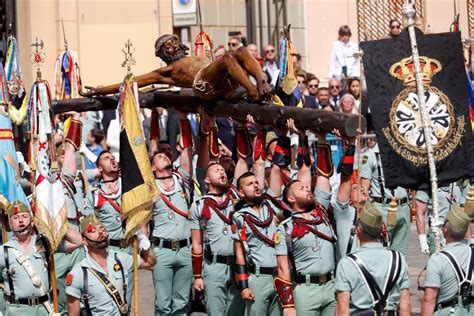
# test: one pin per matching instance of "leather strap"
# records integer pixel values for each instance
(8, 271)
(379, 298)
(314, 279)
(112, 289)
(85, 291)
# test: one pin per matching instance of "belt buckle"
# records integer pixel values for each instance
(33, 301)
(230, 260)
(322, 279)
(175, 245)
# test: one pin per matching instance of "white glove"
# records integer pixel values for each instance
(143, 241)
(22, 163)
(86, 152)
(424, 248)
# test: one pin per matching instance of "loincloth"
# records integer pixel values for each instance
(206, 91)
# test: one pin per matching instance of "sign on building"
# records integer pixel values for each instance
(184, 13)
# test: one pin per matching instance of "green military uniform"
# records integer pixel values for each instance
(377, 261)
(440, 271)
(447, 196)
(371, 169)
(107, 206)
(75, 203)
(314, 260)
(171, 238)
(344, 214)
(261, 257)
(22, 285)
(119, 265)
(222, 295)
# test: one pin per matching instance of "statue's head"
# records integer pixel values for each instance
(169, 49)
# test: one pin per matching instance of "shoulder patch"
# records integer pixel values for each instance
(365, 159)
(69, 278)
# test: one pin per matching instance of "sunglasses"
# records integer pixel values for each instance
(313, 85)
(270, 51)
(302, 81)
(334, 87)
(232, 44)
(395, 26)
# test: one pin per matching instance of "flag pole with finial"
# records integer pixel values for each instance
(409, 11)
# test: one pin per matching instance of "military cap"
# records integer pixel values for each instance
(371, 216)
(88, 222)
(16, 208)
(458, 218)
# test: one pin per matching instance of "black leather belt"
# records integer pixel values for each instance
(220, 259)
(117, 243)
(382, 200)
(27, 301)
(171, 244)
(447, 304)
(315, 279)
(263, 270)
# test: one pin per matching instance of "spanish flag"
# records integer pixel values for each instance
(139, 190)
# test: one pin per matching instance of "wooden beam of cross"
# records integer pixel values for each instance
(264, 114)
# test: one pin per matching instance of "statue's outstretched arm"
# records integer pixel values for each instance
(160, 75)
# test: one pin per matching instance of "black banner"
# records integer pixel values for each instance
(392, 96)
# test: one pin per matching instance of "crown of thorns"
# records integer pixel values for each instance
(163, 39)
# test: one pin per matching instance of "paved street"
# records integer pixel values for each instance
(416, 263)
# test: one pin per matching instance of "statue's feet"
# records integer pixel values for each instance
(265, 91)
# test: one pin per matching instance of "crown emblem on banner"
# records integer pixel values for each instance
(404, 70)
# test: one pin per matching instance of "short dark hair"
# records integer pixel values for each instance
(243, 176)
(454, 232)
(344, 30)
(310, 76)
(394, 20)
(210, 165)
(98, 134)
(286, 190)
(101, 154)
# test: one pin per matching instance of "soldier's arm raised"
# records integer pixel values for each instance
(186, 155)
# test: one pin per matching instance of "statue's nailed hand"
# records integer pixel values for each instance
(91, 91)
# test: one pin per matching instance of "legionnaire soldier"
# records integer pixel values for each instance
(447, 196)
(23, 262)
(170, 232)
(393, 204)
(106, 199)
(73, 187)
(372, 280)
(211, 230)
(98, 283)
(449, 282)
(255, 256)
(350, 201)
(308, 242)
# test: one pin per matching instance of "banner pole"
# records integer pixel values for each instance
(135, 276)
(4, 226)
(409, 11)
(52, 268)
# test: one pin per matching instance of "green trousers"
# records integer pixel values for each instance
(64, 264)
(266, 299)
(315, 299)
(25, 310)
(399, 234)
(172, 279)
(222, 296)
